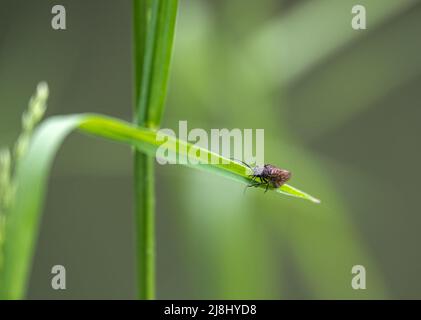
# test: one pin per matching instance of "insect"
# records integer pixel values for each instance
(268, 175)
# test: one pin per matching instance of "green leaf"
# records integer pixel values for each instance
(146, 141)
(154, 25)
(32, 173)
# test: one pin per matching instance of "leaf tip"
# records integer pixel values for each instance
(315, 200)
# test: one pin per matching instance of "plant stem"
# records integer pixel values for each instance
(144, 194)
(145, 224)
(154, 24)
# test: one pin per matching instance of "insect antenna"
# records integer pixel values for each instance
(254, 184)
(246, 164)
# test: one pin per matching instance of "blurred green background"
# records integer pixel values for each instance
(340, 109)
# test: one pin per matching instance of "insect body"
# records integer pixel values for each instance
(270, 176)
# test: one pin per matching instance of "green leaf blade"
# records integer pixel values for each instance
(33, 170)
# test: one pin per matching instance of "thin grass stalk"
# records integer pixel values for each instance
(144, 193)
(154, 22)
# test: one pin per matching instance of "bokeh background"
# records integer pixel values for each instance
(340, 109)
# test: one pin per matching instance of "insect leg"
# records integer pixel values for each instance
(253, 178)
(255, 184)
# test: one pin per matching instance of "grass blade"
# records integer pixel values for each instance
(154, 24)
(147, 141)
(33, 169)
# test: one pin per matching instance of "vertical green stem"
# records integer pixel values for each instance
(153, 23)
(144, 193)
(145, 224)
